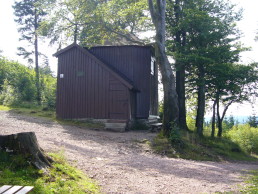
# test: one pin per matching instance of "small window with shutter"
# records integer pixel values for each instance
(80, 73)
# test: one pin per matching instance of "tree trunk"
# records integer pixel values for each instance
(201, 102)
(27, 145)
(180, 39)
(38, 97)
(180, 88)
(213, 119)
(219, 121)
(171, 112)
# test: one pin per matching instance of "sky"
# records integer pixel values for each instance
(9, 41)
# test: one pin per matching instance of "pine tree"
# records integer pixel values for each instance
(252, 121)
(29, 14)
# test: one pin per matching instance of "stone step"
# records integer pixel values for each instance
(116, 121)
(118, 127)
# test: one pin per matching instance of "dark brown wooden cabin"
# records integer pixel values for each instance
(106, 82)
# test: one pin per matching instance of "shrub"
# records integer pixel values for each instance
(48, 91)
(245, 136)
(175, 137)
(9, 94)
(17, 84)
(139, 125)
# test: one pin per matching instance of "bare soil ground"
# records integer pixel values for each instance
(120, 164)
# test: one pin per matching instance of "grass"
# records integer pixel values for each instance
(204, 149)
(4, 107)
(252, 181)
(36, 111)
(61, 178)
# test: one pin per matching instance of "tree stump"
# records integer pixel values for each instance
(27, 145)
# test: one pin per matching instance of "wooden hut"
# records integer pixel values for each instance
(107, 82)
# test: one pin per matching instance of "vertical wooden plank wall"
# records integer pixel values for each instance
(133, 62)
(84, 92)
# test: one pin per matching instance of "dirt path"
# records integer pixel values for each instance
(121, 165)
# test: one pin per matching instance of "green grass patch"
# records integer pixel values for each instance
(35, 112)
(38, 111)
(4, 108)
(193, 147)
(252, 181)
(61, 178)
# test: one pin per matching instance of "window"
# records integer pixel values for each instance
(80, 73)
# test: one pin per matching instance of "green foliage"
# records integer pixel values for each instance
(190, 120)
(175, 137)
(61, 178)
(253, 121)
(17, 85)
(94, 23)
(196, 148)
(191, 108)
(123, 19)
(29, 14)
(139, 125)
(228, 123)
(48, 87)
(245, 136)
(8, 95)
(161, 110)
(202, 38)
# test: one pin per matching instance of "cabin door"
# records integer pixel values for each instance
(119, 100)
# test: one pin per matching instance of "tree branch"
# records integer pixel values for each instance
(225, 110)
(126, 36)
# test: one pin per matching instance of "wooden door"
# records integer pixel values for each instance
(119, 100)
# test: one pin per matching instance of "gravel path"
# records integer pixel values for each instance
(121, 165)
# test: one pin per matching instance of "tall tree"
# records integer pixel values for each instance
(174, 16)
(253, 121)
(65, 22)
(93, 23)
(197, 29)
(29, 14)
(171, 111)
(232, 83)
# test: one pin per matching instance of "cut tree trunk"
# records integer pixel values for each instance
(27, 145)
